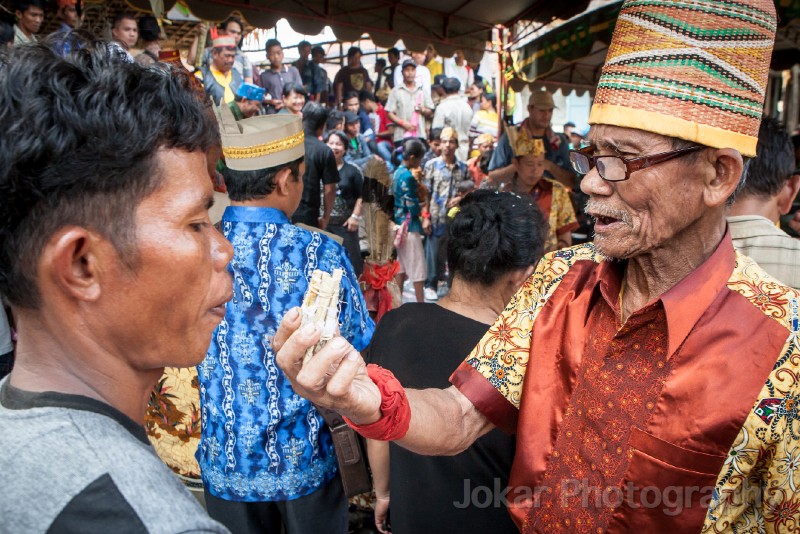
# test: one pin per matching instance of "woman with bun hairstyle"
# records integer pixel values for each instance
(493, 245)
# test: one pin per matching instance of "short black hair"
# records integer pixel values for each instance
(350, 95)
(253, 185)
(317, 50)
(569, 124)
(353, 50)
(6, 33)
(314, 116)
(451, 86)
(436, 134)
(334, 119)
(122, 15)
(148, 28)
(23, 5)
(365, 95)
(340, 134)
(774, 161)
(288, 87)
(393, 52)
(491, 97)
(92, 157)
(303, 43)
(271, 43)
(232, 18)
(494, 233)
(413, 147)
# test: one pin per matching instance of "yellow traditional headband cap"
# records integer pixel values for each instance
(261, 142)
(448, 133)
(522, 144)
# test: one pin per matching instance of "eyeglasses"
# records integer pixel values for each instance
(617, 168)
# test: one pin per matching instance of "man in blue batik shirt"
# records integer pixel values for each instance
(266, 456)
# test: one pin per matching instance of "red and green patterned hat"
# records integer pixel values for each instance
(692, 69)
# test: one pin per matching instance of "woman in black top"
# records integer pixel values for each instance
(493, 244)
(346, 213)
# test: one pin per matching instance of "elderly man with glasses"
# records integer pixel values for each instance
(652, 377)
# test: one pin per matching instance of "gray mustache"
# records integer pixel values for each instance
(598, 209)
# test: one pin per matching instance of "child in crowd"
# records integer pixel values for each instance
(412, 217)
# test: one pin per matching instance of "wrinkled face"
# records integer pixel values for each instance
(336, 146)
(275, 56)
(409, 75)
(530, 170)
(31, 19)
(436, 146)
(351, 104)
(540, 118)
(223, 58)
(234, 30)
(163, 311)
(654, 207)
(352, 129)
(449, 147)
(294, 102)
(126, 32)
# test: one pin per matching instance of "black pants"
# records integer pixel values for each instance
(325, 510)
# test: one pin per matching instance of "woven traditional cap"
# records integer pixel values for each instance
(224, 40)
(692, 69)
(260, 142)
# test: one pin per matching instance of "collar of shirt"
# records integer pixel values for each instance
(256, 215)
(685, 302)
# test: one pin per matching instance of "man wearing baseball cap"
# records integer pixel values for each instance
(536, 126)
(651, 377)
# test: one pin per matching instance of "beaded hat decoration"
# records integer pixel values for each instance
(692, 69)
(260, 142)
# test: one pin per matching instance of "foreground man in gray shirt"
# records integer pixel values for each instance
(113, 271)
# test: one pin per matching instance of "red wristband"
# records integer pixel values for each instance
(395, 410)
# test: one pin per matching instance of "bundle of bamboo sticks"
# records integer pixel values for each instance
(321, 306)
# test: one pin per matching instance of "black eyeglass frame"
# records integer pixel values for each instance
(632, 164)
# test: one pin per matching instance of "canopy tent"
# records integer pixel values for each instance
(447, 24)
(570, 54)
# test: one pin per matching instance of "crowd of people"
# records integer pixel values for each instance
(646, 381)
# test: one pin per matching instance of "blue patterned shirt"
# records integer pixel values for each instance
(261, 441)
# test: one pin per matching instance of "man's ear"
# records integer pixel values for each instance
(788, 193)
(282, 180)
(721, 183)
(72, 261)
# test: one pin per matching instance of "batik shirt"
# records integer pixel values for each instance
(442, 180)
(261, 441)
(684, 418)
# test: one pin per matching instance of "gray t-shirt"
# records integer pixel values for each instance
(74, 464)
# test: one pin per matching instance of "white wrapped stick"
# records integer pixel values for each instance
(321, 306)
